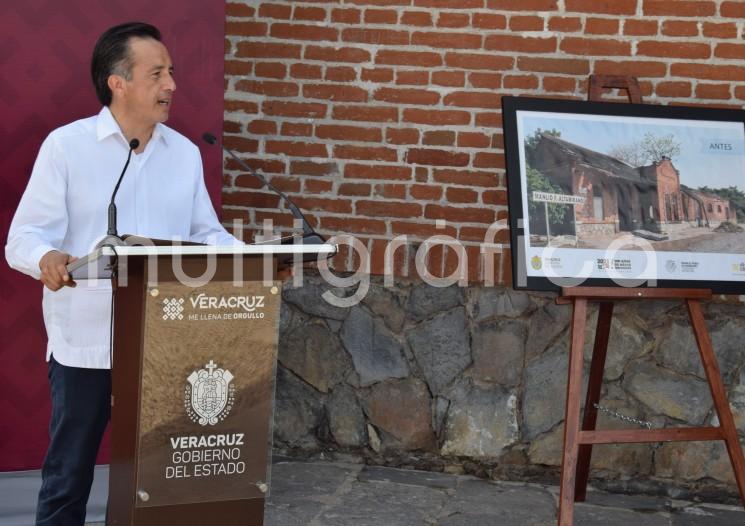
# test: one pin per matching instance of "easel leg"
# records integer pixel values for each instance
(571, 422)
(718, 394)
(599, 353)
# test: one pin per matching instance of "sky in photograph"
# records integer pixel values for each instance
(698, 164)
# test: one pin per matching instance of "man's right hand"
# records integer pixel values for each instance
(53, 272)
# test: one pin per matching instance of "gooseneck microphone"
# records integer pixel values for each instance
(133, 144)
(310, 236)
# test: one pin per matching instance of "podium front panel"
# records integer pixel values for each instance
(208, 369)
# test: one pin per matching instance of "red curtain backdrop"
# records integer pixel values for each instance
(45, 48)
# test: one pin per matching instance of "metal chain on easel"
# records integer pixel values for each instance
(627, 419)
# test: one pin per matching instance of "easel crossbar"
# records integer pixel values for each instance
(632, 436)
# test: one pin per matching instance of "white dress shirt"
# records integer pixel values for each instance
(65, 205)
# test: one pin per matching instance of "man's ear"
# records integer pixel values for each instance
(116, 85)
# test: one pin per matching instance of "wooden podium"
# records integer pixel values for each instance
(195, 346)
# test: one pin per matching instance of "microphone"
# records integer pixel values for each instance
(310, 236)
(112, 238)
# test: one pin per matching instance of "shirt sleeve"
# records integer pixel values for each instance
(205, 226)
(40, 222)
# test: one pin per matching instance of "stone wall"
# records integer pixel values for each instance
(473, 380)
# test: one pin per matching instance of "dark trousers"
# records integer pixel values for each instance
(81, 408)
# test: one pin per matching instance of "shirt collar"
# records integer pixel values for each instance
(106, 126)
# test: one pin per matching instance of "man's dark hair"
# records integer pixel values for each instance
(111, 55)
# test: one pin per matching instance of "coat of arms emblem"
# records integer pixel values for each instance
(209, 396)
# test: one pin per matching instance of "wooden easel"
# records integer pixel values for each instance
(578, 441)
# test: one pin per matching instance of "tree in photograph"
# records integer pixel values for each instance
(558, 215)
(650, 149)
(531, 142)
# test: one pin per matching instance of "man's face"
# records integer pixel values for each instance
(147, 95)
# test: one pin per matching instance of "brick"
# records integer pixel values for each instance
(460, 215)
(417, 78)
(239, 10)
(735, 51)
(713, 91)
(594, 46)
(407, 96)
(554, 65)
(339, 206)
(494, 197)
(306, 71)
(488, 21)
(316, 14)
(453, 20)
(402, 136)
(261, 127)
(679, 28)
(297, 129)
(238, 67)
(390, 191)
(376, 36)
(488, 160)
(564, 24)
(366, 113)
(348, 133)
(727, 30)
(473, 140)
(379, 208)
(522, 44)
(608, 7)
(473, 99)
(296, 149)
(475, 61)
(277, 219)
(449, 78)
(673, 89)
(740, 92)
(522, 5)
(640, 27)
(353, 224)
(241, 144)
(263, 164)
(335, 92)
(416, 18)
(365, 153)
(270, 88)
(631, 67)
(467, 178)
(245, 29)
(527, 23)
(461, 195)
(280, 11)
(708, 71)
(355, 189)
(601, 26)
(346, 16)
(377, 74)
(447, 40)
(559, 84)
(423, 230)
(271, 70)
(377, 171)
(485, 80)
(673, 49)
(438, 138)
(408, 58)
(679, 8)
(436, 157)
(303, 32)
(426, 192)
(286, 184)
(341, 74)
(734, 9)
(251, 49)
(436, 117)
(381, 16)
(232, 127)
(330, 54)
(240, 105)
(314, 168)
(250, 199)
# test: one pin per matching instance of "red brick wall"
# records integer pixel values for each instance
(382, 116)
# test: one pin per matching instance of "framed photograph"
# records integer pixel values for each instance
(628, 195)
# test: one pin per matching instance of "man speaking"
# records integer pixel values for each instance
(62, 214)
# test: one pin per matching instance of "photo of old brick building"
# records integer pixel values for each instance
(649, 201)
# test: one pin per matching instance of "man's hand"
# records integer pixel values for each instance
(53, 272)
